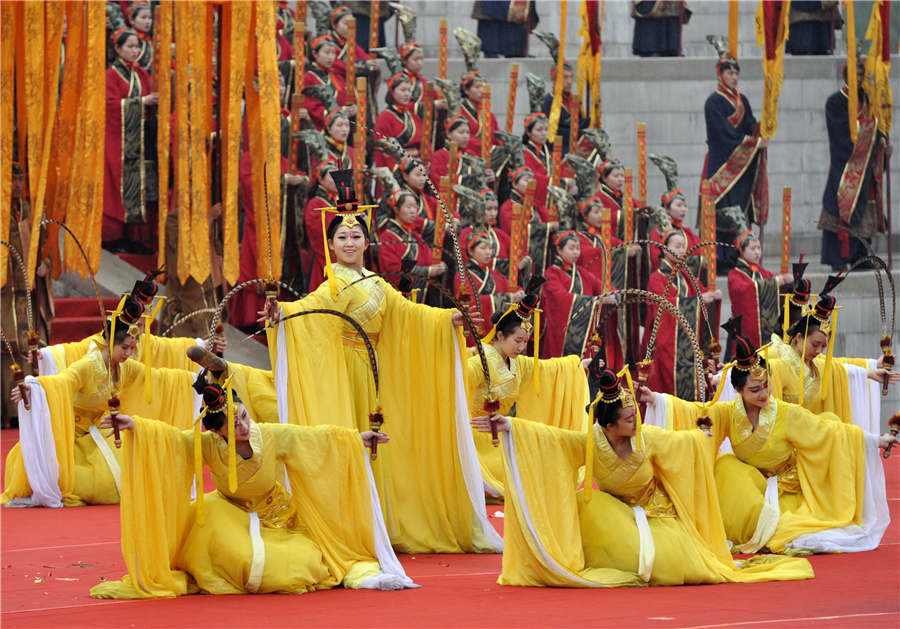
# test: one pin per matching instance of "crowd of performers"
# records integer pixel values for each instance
(493, 323)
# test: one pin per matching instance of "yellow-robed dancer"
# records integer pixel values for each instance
(62, 458)
(556, 394)
(322, 530)
(796, 481)
(656, 520)
(429, 482)
(805, 373)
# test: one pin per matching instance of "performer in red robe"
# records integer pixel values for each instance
(499, 238)
(398, 121)
(540, 230)
(402, 247)
(340, 25)
(127, 96)
(140, 17)
(676, 207)
(412, 176)
(321, 72)
(569, 298)
(472, 90)
(538, 156)
(490, 285)
(592, 259)
(336, 132)
(457, 130)
(753, 292)
(673, 369)
(324, 194)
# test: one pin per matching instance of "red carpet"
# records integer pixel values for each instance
(50, 558)
(79, 317)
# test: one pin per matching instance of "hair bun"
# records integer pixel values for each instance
(608, 380)
(213, 397)
(132, 310)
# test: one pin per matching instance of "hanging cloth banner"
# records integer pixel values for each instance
(772, 26)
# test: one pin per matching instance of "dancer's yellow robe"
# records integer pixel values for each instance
(554, 538)
(318, 536)
(819, 464)
(77, 399)
(427, 504)
(559, 399)
(157, 351)
(786, 367)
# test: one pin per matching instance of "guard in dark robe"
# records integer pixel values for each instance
(564, 126)
(812, 27)
(504, 26)
(851, 204)
(657, 27)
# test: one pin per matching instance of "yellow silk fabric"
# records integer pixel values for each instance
(679, 463)
(563, 398)
(164, 351)
(318, 537)
(830, 463)
(78, 395)
(785, 368)
(8, 26)
(419, 476)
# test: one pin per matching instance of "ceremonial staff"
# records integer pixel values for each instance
(642, 164)
(351, 62)
(628, 206)
(427, 124)
(516, 245)
(359, 138)
(785, 230)
(511, 97)
(374, 7)
(487, 135)
(574, 121)
(453, 165)
(299, 70)
(17, 373)
(441, 222)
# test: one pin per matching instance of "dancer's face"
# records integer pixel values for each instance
(677, 209)
(512, 344)
(348, 244)
(124, 350)
(625, 425)
(752, 252)
(816, 343)
(755, 393)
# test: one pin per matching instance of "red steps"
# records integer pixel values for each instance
(78, 317)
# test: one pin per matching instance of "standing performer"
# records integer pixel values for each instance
(398, 121)
(472, 89)
(538, 156)
(412, 176)
(491, 286)
(813, 23)
(323, 195)
(753, 292)
(140, 17)
(330, 91)
(258, 536)
(853, 191)
(504, 26)
(457, 130)
(655, 519)
(124, 182)
(569, 104)
(570, 300)
(403, 248)
(657, 27)
(323, 375)
(674, 203)
(499, 238)
(540, 231)
(735, 164)
(673, 370)
(796, 482)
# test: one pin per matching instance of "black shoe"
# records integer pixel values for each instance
(115, 246)
(138, 248)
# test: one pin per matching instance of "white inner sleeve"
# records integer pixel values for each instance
(258, 555)
(39, 448)
(647, 551)
(860, 407)
(46, 365)
(468, 456)
(768, 519)
(655, 415)
(108, 456)
(875, 515)
(392, 575)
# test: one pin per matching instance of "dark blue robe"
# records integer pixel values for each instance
(564, 127)
(656, 36)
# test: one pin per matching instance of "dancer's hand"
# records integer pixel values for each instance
(887, 439)
(270, 311)
(645, 395)
(125, 423)
(218, 345)
(880, 375)
(483, 424)
(370, 436)
(15, 395)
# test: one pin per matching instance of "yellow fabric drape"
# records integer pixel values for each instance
(8, 28)
(773, 72)
(196, 39)
(590, 64)
(43, 34)
(852, 78)
(878, 71)
(181, 145)
(556, 107)
(163, 29)
(235, 16)
(733, 28)
(84, 203)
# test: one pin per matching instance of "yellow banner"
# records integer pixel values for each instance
(8, 25)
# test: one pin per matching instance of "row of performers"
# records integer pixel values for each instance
(285, 450)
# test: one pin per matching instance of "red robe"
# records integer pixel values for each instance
(320, 76)
(492, 289)
(312, 219)
(398, 123)
(248, 301)
(471, 113)
(340, 62)
(567, 298)
(118, 91)
(655, 252)
(753, 292)
(540, 161)
(402, 248)
(672, 351)
(504, 217)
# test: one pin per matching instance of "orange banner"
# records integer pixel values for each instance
(8, 24)
(161, 63)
